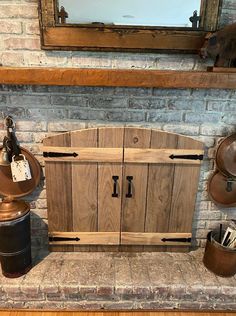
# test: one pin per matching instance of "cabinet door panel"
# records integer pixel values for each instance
(160, 214)
(109, 207)
(160, 186)
(59, 179)
(84, 186)
(184, 193)
(134, 208)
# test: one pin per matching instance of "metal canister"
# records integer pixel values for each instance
(15, 242)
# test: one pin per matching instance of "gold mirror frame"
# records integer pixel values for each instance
(55, 36)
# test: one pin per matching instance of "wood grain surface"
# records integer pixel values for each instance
(130, 238)
(159, 191)
(87, 238)
(84, 182)
(160, 156)
(185, 185)
(117, 78)
(89, 154)
(162, 194)
(59, 190)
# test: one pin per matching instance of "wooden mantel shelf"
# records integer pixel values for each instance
(118, 77)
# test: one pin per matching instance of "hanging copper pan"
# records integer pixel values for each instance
(221, 190)
(226, 156)
(19, 189)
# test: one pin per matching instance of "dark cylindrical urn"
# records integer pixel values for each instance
(15, 242)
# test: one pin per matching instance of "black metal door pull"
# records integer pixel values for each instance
(115, 194)
(129, 194)
(52, 154)
(190, 157)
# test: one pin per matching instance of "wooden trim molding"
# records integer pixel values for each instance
(118, 78)
(55, 35)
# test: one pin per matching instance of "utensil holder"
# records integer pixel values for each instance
(219, 259)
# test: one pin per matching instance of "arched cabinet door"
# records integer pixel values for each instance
(84, 191)
(165, 173)
(121, 186)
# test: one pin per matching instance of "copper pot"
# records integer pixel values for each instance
(19, 189)
(222, 190)
(226, 156)
(219, 259)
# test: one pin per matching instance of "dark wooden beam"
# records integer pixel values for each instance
(117, 78)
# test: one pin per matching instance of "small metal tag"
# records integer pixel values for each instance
(20, 170)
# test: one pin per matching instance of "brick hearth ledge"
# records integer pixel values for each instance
(95, 281)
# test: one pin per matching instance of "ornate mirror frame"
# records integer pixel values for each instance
(55, 35)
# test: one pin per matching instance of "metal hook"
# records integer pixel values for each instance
(9, 122)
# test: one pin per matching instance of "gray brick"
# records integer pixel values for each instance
(78, 90)
(31, 100)
(220, 94)
(229, 118)
(3, 99)
(125, 91)
(171, 92)
(123, 305)
(202, 118)
(15, 112)
(186, 104)
(126, 116)
(123, 273)
(144, 103)
(69, 100)
(216, 130)
(159, 305)
(107, 102)
(164, 117)
(219, 106)
(185, 129)
(78, 114)
(29, 125)
(57, 113)
(65, 126)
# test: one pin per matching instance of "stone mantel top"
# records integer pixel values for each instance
(119, 281)
(217, 78)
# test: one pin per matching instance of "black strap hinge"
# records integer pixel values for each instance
(190, 157)
(53, 154)
(52, 238)
(176, 239)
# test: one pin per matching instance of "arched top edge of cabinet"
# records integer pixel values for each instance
(153, 130)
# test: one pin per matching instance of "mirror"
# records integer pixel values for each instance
(127, 25)
(133, 12)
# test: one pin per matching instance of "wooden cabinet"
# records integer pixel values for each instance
(121, 187)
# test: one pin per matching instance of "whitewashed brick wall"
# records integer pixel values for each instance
(39, 111)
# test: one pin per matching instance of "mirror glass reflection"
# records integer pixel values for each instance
(169, 13)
